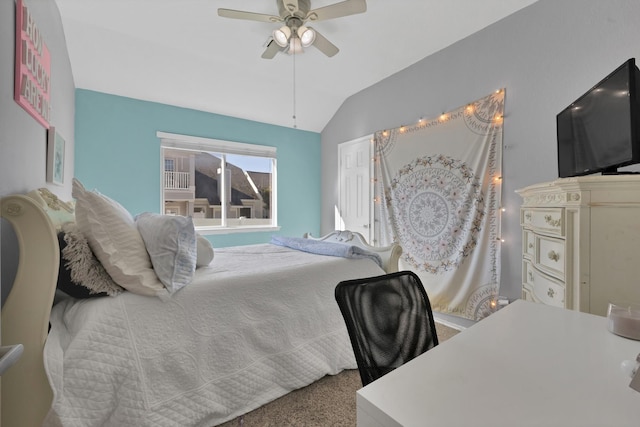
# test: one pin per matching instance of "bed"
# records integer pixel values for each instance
(256, 323)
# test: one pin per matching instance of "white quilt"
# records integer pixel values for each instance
(260, 321)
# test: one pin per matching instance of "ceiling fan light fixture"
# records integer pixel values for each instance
(281, 36)
(295, 46)
(294, 36)
(307, 36)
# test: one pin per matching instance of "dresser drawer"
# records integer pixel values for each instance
(545, 220)
(528, 244)
(541, 287)
(550, 255)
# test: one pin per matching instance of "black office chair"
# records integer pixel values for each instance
(389, 320)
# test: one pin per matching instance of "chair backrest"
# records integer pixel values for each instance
(389, 320)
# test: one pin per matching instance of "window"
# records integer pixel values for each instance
(225, 186)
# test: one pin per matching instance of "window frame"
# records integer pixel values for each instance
(222, 147)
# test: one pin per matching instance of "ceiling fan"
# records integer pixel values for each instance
(294, 35)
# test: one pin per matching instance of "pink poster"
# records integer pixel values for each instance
(32, 67)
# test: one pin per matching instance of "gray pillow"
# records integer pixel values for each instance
(171, 244)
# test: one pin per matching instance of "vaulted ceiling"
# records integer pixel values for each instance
(180, 52)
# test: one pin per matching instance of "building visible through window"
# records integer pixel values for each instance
(219, 189)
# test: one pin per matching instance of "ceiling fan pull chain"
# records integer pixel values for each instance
(295, 125)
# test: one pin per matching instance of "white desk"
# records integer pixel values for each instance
(526, 365)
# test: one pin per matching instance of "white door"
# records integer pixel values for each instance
(356, 187)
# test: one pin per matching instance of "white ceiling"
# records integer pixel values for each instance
(180, 52)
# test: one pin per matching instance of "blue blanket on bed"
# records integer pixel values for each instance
(326, 248)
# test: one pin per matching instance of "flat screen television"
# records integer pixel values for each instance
(600, 131)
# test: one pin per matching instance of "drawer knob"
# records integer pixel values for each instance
(528, 216)
(530, 274)
(553, 256)
(530, 245)
(551, 293)
(552, 222)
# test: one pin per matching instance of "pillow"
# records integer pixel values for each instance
(114, 239)
(81, 275)
(65, 283)
(204, 251)
(171, 244)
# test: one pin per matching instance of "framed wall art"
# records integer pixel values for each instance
(32, 81)
(55, 157)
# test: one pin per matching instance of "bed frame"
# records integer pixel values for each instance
(390, 255)
(26, 396)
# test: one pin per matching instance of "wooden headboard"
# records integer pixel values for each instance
(26, 394)
(390, 254)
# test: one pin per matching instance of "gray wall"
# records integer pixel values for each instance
(23, 147)
(545, 55)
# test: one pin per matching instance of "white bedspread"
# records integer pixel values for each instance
(260, 321)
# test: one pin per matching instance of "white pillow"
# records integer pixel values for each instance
(204, 252)
(171, 244)
(112, 234)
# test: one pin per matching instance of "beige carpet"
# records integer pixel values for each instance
(329, 402)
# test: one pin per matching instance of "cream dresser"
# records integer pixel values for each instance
(581, 242)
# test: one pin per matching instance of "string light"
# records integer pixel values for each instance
(498, 302)
(470, 108)
(500, 211)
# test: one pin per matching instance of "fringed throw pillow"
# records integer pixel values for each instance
(85, 269)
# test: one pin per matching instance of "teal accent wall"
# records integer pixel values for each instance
(117, 153)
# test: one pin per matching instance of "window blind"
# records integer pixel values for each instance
(197, 143)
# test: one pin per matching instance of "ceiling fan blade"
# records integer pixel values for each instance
(251, 16)
(271, 50)
(291, 6)
(337, 10)
(324, 45)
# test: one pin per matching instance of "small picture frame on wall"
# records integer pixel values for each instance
(55, 157)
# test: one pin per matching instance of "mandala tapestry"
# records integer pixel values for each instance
(438, 196)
